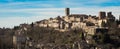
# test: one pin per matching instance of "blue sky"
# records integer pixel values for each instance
(15, 12)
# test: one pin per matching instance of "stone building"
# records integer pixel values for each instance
(86, 22)
(102, 15)
(19, 39)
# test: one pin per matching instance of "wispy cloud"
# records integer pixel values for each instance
(19, 5)
(83, 3)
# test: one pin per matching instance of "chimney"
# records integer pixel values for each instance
(102, 15)
(67, 11)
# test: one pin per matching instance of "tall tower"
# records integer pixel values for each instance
(67, 11)
(109, 15)
(102, 15)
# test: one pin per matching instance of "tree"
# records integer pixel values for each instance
(32, 24)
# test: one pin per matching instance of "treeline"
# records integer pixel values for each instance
(49, 35)
(52, 36)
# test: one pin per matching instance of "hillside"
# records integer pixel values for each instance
(73, 31)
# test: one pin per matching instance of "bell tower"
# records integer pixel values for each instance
(102, 15)
(67, 11)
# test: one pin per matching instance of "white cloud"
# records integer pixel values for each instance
(78, 3)
(97, 1)
(14, 5)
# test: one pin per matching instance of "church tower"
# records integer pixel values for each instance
(67, 11)
(102, 15)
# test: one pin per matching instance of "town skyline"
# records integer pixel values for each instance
(28, 11)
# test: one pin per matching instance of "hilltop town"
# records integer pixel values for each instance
(91, 24)
(72, 31)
